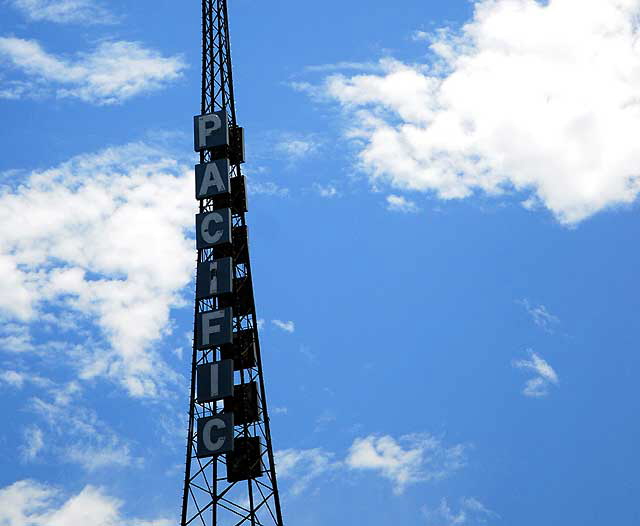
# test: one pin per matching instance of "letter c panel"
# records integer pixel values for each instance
(215, 435)
(213, 228)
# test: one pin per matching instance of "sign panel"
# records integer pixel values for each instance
(212, 179)
(214, 328)
(210, 130)
(215, 435)
(214, 278)
(215, 381)
(213, 228)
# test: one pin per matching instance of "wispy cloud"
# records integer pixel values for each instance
(65, 11)
(73, 432)
(303, 466)
(33, 442)
(268, 188)
(538, 386)
(327, 190)
(112, 73)
(411, 459)
(535, 125)
(397, 203)
(471, 511)
(343, 66)
(541, 316)
(294, 147)
(13, 378)
(287, 326)
(408, 460)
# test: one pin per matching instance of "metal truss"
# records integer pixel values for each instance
(208, 498)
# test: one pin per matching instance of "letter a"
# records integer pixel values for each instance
(211, 179)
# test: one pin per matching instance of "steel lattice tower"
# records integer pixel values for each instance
(238, 486)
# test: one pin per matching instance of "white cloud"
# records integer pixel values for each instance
(407, 460)
(105, 455)
(33, 443)
(328, 190)
(112, 73)
(540, 98)
(303, 466)
(13, 378)
(471, 511)
(287, 326)
(294, 147)
(64, 11)
(538, 386)
(397, 203)
(106, 239)
(28, 503)
(74, 433)
(266, 188)
(541, 316)
(411, 459)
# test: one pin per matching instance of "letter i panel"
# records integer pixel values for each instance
(214, 278)
(215, 435)
(215, 381)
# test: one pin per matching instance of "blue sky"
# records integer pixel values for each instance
(443, 226)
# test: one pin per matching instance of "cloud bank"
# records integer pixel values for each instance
(103, 240)
(536, 98)
(28, 503)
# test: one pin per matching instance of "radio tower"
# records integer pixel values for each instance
(230, 476)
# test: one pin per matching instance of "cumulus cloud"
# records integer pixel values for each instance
(105, 239)
(397, 203)
(29, 503)
(411, 459)
(286, 326)
(538, 386)
(112, 73)
(538, 98)
(65, 11)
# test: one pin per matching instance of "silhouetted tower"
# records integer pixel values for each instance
(230, 474)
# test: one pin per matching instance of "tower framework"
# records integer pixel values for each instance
(230, 475)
